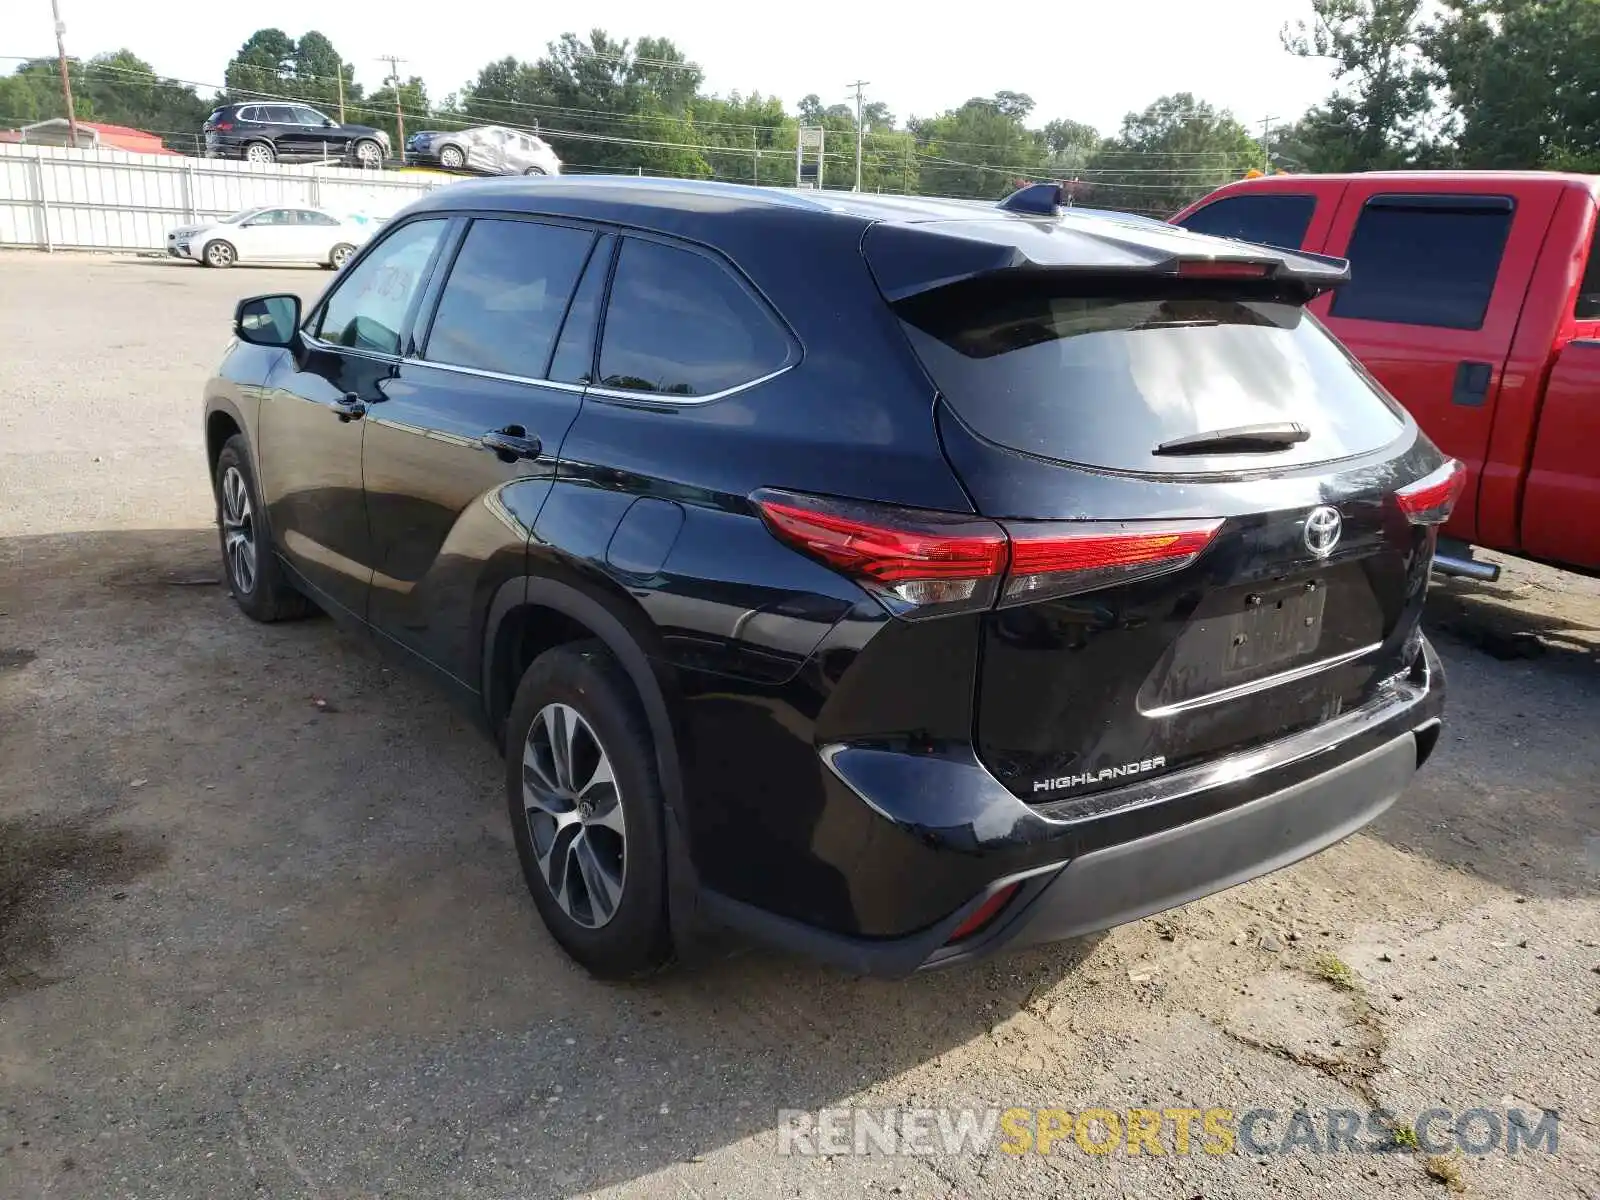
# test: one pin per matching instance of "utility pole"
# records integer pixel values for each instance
(399, 117)
(66, 79)
(1266, 147)
(339, 71)
(858, 85)
(755, 158)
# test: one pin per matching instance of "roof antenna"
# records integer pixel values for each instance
(1035, 200)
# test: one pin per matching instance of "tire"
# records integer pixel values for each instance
(617, 929)
(340, 255)
(534, 171)
(255, 576)
(368, 154)
(451, 156)
(259, 152)
(219, 254)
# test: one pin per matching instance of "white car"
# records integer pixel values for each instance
(272, 234)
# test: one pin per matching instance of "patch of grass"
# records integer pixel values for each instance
(1404, 1135)
(1336, 971)
(1446, 1171)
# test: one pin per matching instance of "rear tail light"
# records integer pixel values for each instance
(223, 126)
(1430, 499)
(1095, 554)
(925, 563)
(984, 914)
(911, 556)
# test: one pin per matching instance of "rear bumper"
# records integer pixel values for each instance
(959, 834)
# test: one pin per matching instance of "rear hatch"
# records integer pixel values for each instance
(1199, 485)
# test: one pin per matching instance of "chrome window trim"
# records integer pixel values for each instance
(606, 393)
(315, 343)
(601, 392)
(502, 376)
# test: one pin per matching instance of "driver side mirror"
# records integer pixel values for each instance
(267, 320)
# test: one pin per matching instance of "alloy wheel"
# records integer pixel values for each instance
(451, 157)
(340, 256)
(368, 154)
(219, 254)
(258, 152)
(238, 531)
(574, 814)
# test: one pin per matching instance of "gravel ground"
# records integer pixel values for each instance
(251, 945)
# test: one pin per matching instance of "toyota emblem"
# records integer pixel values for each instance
(1323, 526)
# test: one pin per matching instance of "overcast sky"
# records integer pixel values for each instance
(1091, 60)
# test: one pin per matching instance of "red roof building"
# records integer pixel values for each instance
(91, 135)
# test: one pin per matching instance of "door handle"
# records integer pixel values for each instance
(1472, 384)
(511, 443)
(350, 407)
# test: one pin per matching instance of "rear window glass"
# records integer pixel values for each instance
(1425, 260)
(1275, 219)
(1103, 379)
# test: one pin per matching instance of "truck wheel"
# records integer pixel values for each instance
(586, 811)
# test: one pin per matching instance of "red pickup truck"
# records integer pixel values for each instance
(1474, 298)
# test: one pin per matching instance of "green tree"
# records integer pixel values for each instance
(263, 66)
(600, 101)
(1523, 79)
(317, 70)
(1375, 117)
(980, 150)
(33, 92)
(1173, 152)
(378, 109)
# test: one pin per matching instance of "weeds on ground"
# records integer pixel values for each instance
(1336, 971)
(1446, 1171)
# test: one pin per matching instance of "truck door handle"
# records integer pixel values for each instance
(511, 443)
(350, 407)
(1472, 384)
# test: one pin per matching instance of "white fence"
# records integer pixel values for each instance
(53, 198)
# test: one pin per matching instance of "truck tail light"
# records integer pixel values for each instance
(924, 563)
(1430, 499)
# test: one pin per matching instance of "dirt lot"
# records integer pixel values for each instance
(250, 946)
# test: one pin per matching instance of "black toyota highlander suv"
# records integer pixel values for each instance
(891, 579)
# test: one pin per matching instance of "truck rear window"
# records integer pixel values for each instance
(1103, 377)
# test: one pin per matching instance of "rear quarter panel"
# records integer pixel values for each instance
(1561, 506)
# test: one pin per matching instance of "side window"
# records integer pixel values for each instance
(1425, 260)
(277, 114)
(680, 324)
(251, 113)
(574, 358)
(309, 216)
(308, 116)
(368, 307)
(1588, 308)
(272, 216)
(1267, 218)
(502, 306)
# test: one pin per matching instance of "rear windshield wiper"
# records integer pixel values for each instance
(1244, 439)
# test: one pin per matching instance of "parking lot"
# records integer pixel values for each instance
(262, 931)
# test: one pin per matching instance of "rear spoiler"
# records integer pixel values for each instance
(1030, 232)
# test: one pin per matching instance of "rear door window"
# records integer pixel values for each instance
(1103, 375)
(1267, 218)
(681, 324)
(1425, 260)
(1588, 306)
(507, 293)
